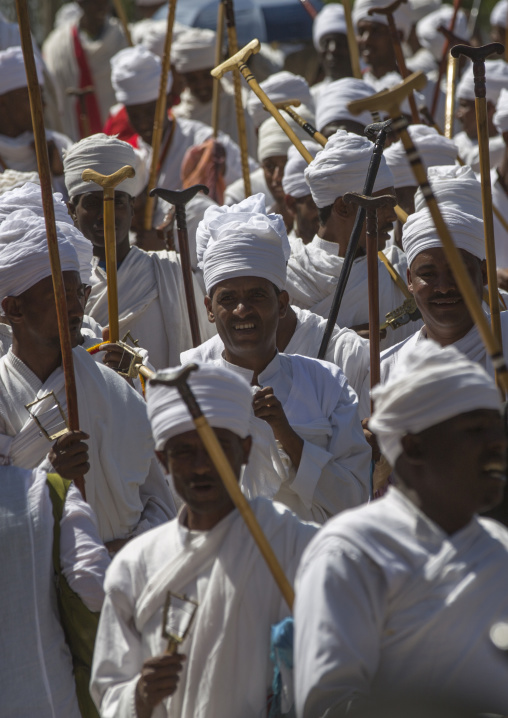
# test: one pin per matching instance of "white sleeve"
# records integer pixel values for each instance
(83, 556)
(339, 608)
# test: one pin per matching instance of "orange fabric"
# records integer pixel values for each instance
(206, 164)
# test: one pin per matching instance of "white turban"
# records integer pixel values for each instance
(403, 16)
(496, 72)
(273, 141)
(152, 34)
(224, 398)
(280, 86)
(293, 182)
(194, 50)
(29, 197)
(429, 35)
(242, 241)
(136, 74)
(10, 179)
(330, 19)
(419, 232)
(24, 254)
(333, 99)
(105, 154)
(342, 167)
(433, 148)
(501, 113)
(420, 8)
(433, 385)
(12, 70)
(499, 14)
(454, 186)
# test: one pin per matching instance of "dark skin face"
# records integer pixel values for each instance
(355, 127)
(200, 83)
(305, 216)
(498, 34)
(95, 14)
(466, 114)
(15, 117)
(456, 468)
(376, 47)
(437, 296)
(87, 212)
(142, 117)
(334, 56)
(273, 168)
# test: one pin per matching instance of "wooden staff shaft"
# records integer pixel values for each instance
(354, 54)
(444, 56)
(111, 273)
(373, 283)
(451, 77)
(218, 59)
(401, 64)
(41, 149)
(229, 12)
(309, 129)
(183, 245)
(122, 16)
(160, 114)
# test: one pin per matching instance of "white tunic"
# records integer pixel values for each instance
(321, 407)
(124, 486)
(313, 272)
(385, 598)
(470, 153)
(235, 192)
(500, 201)
(345, 349)
(227, 670)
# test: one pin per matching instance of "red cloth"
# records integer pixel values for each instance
(86, 80)
(118, 124)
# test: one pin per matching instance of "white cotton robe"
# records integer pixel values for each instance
(227, 672)
(313, 273)
(385, 599)
(124, 485)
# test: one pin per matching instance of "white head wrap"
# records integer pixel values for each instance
(273, 141)
(152, 34)
(454, 186)
(433, 384)
(242, 241)
(499, 14)
(433, 148)
(194, 50)
(332, 101)
(10, 179)
(29, 197)
(419, 233)
(293, 182)
(403, 15)
(420, 8)
(224, 398)
(330, 19)
(280, 86)
(501, 113)
(342, 167)
(135, 75)
(24, 255)
(104, 154)
(429, 35)
(12, 70)
(496, 72)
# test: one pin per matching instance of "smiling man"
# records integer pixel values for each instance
(398, 598)
(208, 555)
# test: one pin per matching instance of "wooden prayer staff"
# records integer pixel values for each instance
(390, 101)
(478, 55)
(179, 199)
(220, 461)
(218, 59)
(41, 149)
(287, 106)
(229, 11)
(122, 16)
(451, 76)
(160, 113)
(388, 11)
(381, 129)
(80, 93)
(108, 184)
(444, 56)
(239, 61)
(354, 54)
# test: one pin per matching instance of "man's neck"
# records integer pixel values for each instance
(255, 364)
(205, 522)
(122, 250)
(380, 71)
(445, 339)
(42, 361)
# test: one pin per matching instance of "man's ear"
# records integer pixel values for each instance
(208, 305)
(342, 209)
(413, 448)
(283, 299)
(161, 455)
(12, 308)
(409, 280)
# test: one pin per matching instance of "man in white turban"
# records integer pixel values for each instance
(135, 74)
(329, 35)
(331, 106)
(297, 196)
(498, 22)
(319, 465)
(398, 598)
(467, 140)
(208, 555)
(17, 150)
(77, 55)
(314, 269)
(151, 296)
(193, 57)
(280, 86)
(499, 182)
(124, 484)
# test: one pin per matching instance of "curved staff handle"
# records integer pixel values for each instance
(390, 101)
(221, 463)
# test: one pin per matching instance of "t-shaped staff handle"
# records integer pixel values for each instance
(373, 130)
(287, 106)
(108, 184)
(239, 60)
(478, 55)
(179, 380)
(390, 100)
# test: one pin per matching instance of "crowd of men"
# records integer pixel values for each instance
(146, 594)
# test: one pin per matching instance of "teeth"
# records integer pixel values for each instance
(244, 326)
